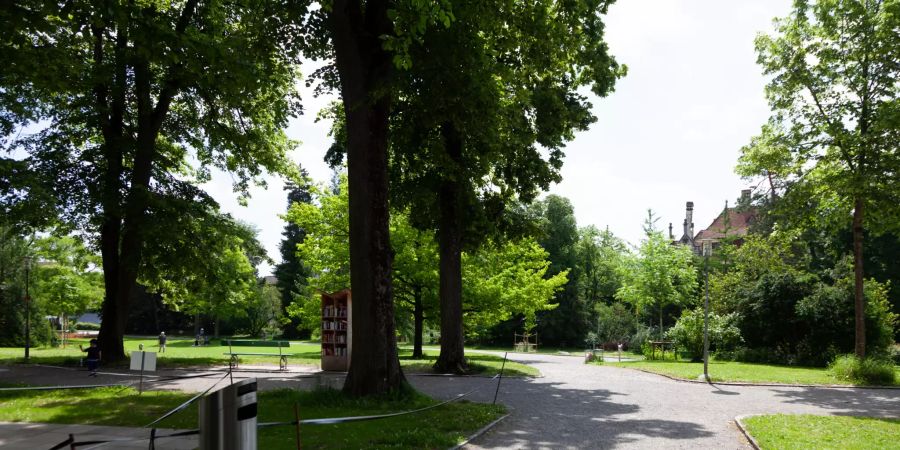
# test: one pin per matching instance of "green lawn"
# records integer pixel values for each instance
(737, 371)
(783, 431)
(182, 353)
(479, 363)
(442, 427)
(179, 353)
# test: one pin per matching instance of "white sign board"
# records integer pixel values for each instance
(149, 361)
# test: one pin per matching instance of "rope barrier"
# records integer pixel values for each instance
(74, 386)
(324, 421)
(187, 403)
(336, 420)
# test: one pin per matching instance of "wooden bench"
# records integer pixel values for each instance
(282, 357)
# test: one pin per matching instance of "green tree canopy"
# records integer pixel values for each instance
(130, 98)
(832, 137)
(658, 275)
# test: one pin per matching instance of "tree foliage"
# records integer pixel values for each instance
(658, 275)
(833, 135)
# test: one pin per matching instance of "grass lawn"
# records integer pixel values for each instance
(479, 363)
(182, 353)
(785, 431)
(442, 427)
(737, 371)
(179, 353)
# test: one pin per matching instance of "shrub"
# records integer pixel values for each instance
(591, 340)
(688, 333)
(863, 371)
(87, 326)
(641, 337)
(829, 316)
(615, 323)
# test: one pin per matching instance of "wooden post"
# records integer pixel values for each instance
(297, 419)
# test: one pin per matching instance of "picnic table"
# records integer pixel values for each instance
(233, 361)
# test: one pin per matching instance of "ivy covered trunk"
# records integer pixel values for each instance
(365, 70)
(452, 358)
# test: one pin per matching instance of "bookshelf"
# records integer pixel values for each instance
(336, 331)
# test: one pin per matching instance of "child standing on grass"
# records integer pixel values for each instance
(93, 357)
(162, 342)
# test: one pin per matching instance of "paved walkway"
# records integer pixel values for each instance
(572, 406)
(588, 406)
(30, 436)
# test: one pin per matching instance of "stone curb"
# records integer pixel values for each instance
(740, 424)
(735, 383)
(483, 430)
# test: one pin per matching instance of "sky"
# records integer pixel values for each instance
(670, 133)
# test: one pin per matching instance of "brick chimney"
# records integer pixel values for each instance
(689, 220)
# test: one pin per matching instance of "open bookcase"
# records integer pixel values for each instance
(336, 331)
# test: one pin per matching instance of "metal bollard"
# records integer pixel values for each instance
(228, 418)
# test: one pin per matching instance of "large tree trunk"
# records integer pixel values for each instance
(859, 295)
(419, 320)
(111, 119)
(452, 358)
(365, 71)
(149, 119)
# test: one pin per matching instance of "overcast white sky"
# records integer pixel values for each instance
(670, 133)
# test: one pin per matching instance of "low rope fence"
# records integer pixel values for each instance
(71, 443)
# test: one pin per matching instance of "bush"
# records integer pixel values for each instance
(615, 323)
(829, 315)
(863, 371)
(688, 333)
(642, 336)
(87, 326)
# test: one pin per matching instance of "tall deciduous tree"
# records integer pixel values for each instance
(291, 273)
(833, 136)
(660, 274)
(126, 91)
(366, 41)
(68, 280)
(479, 102)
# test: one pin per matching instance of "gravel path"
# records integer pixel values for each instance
(588, 406)
(572, 406)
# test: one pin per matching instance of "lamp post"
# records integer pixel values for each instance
(707, 251)
(27, 307)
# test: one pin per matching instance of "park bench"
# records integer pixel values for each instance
(233, 361)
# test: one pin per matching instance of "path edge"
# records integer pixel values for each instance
(736, 383)
(481, 431)
(740, 424)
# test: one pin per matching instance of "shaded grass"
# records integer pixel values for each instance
(179, 353)
(479, 364)
(442, 427)
(785, 431)
(739, 372)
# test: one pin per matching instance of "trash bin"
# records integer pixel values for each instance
(228, 418)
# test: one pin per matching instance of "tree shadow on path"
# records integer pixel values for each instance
(847, 402)
(548, 415)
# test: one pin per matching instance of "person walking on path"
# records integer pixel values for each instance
(93, 357)
(162, 342)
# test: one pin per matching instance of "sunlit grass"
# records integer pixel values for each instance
(738, 372)
(442, 427)
(784, 431)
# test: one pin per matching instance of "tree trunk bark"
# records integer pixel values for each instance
(660, 321)
(419, 319)
(365, 72)
(860, 301)
(452, 358)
